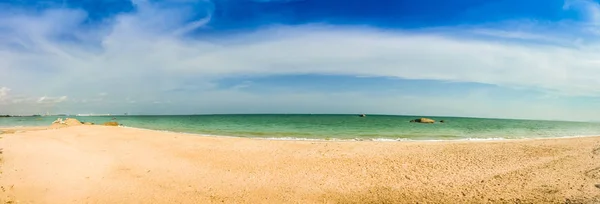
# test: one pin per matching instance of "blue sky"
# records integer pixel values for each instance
(495, 58)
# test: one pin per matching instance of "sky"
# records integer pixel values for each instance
(535, 59)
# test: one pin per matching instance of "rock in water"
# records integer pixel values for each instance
(112, 123)
(72, 122)
(60, 123)
(423, 120)
(427, 120)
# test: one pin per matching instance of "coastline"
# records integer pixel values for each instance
(336, 127)
(35, 128)
(99, 164)
(366, 139)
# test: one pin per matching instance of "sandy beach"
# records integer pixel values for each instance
(98, 164)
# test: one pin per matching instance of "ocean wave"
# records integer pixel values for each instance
(368, 139)
(295, 138)
(485, 139)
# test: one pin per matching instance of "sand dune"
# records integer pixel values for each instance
(97, 164)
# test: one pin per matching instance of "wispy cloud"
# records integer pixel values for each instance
(51, 100)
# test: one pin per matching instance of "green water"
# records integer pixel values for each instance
(372, 127)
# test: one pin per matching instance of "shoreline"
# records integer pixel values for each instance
(101, 164)
(344, 128)
(37, 128)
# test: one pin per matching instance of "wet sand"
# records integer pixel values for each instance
(98, 164)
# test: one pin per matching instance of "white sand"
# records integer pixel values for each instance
(97, 164)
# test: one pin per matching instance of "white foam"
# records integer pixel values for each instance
(385, 139)
(484, 139)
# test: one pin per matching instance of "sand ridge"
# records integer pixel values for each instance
(98, 164)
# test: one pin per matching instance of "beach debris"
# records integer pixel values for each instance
(111, 123)
(423, 120)
(597, 185)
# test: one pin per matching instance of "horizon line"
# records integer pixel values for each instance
(356, 114)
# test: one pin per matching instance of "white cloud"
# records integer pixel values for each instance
(329, 50)
(4, 92)
(369, 52)
(139, 56)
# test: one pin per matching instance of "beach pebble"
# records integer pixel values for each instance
(597, 185)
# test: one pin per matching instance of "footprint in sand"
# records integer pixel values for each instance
(596, 151)
(593, 173)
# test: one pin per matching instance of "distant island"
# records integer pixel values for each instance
(8, 116)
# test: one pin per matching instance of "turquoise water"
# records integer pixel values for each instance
(378, 127)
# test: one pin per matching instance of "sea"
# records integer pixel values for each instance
(336, 127)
